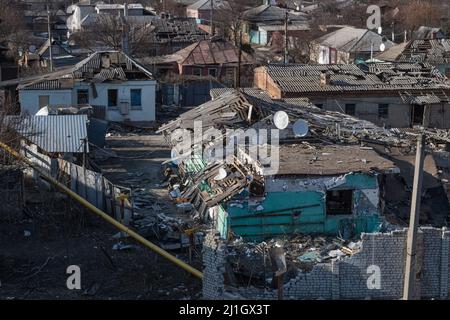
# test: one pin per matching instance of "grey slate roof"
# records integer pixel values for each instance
(350, 39)
(273, 14)
(59, 134)
(350, 78)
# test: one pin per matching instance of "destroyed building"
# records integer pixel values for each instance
(321, 194)
(399, 95)
(435, 52)
(116, 86)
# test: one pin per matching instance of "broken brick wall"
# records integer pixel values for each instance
(348, 278)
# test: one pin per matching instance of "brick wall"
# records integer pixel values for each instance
(347, 278)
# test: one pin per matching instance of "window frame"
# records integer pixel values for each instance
(215, 72)
(136, 106)
(384, 114)
(350, 194)
(354, 109)
(79, 91)
(117, 98)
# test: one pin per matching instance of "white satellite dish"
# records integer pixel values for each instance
(281, 120)
(380, 30)
(221, 175)
(300, 128)
(382, 47)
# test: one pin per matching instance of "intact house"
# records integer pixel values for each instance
(85, 13)
(435, 52)
(346, 45)
(262, 22)
(399, 95)
(116, 86)
(201, 10)
(318, 187)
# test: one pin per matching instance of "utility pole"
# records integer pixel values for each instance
(49, 38)
(238, 80)
(411, 247)
(286, 37)
(125, 30)
(211, 19)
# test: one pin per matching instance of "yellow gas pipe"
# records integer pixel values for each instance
(104, 215)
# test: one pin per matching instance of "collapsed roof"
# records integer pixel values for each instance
(97, 68)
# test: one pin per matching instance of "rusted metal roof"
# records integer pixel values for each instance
(207, 52)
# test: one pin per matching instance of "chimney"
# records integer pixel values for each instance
(325, 79)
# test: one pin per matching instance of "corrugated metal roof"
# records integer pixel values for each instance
(60, 134)
(377, 77)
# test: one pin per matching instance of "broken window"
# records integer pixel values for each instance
(339, 202)
(112, 97)
(196, 71)
(383, 110)
(83, 96)
(136, 97)
(350, 109)
(417, 114)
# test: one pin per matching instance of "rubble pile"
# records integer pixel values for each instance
(252, 260)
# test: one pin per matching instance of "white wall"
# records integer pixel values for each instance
(148, 99)
(29, 99)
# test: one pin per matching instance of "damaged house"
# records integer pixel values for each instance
(321, 193)
(397, 95)
(116, 86)
(346, 45)
(435, 52)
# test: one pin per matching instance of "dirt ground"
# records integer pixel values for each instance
(36, 247)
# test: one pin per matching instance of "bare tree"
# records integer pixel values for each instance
(110, 31)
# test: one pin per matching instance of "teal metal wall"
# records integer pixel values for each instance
(283, 213)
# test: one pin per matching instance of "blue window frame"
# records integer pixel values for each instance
(136, 97)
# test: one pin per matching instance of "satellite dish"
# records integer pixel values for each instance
(281, 120)
(300, 128)
(382, 47)
(221, 175)
(380, 30)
